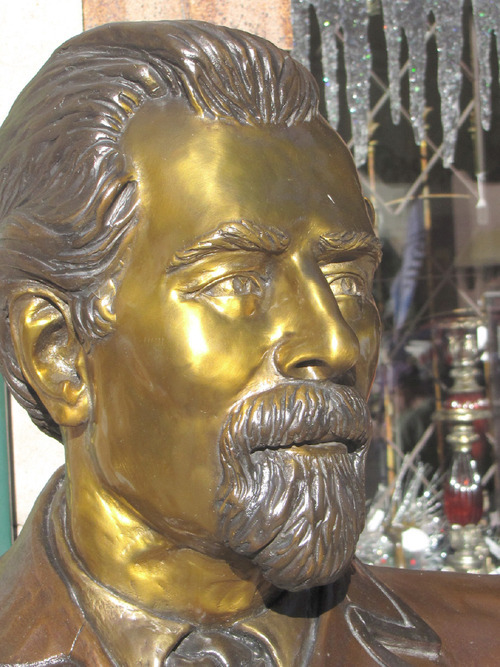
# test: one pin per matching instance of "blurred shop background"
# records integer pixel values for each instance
(412, 86)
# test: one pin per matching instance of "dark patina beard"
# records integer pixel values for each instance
(295, 512)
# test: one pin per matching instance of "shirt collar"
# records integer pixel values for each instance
(135, 636)
(132, 635)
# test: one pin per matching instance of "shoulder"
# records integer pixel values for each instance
(38, 618)
(415, 618)
(463, 609)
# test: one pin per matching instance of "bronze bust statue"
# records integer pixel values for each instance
(186, 261)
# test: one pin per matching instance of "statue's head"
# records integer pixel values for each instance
(186, 262)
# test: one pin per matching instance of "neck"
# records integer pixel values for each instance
(152, 570)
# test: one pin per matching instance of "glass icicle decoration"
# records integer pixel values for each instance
(350, 16)
(329, 22)
(348, 19)
(486, 22)
(449, 38)
(354, 23)
(301, 32)
(410, 16)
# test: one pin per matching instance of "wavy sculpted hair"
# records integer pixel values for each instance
(68, 204)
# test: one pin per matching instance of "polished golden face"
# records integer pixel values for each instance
(251, 265)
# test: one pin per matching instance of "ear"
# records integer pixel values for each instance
(50, 355)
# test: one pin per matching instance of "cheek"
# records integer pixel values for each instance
(363, 317)
(208, 357)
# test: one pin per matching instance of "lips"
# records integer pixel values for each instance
(318, 448)
(315, 447)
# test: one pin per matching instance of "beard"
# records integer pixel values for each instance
(292, 492)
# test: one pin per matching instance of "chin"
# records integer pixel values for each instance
(297, 516)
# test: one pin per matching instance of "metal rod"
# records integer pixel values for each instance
(430, 291)
(477, 130)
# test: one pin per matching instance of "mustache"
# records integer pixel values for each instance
(300, 414)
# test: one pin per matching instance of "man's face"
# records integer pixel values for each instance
(240, 280)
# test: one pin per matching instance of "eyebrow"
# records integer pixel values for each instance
(346, 246)
(231, 236)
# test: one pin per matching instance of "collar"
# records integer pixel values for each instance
(294, 631)
(132, 635)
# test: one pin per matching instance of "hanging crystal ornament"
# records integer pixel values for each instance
(301, 32)
(410, 16)
(486, 22)
(449, 38)
(351, 16)
(329, 22)
(328, 18)
(354, 22)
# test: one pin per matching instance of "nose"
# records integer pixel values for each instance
(316, 342)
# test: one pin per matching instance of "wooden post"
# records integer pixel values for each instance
(438, 394)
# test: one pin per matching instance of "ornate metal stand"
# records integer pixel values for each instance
(465, 413)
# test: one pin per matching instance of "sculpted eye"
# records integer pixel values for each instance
(234, 287)
(236, 296)
(347, 285)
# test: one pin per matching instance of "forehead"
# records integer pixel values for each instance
(195, 174)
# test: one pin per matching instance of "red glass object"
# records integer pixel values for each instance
(463, 496)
